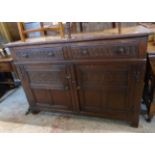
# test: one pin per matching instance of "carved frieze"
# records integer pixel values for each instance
(39, 53)
(104, 51)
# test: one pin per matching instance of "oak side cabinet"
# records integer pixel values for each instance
(100, 76)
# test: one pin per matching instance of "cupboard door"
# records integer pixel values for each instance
(49, 85)
(104, 87)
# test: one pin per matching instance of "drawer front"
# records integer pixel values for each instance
(42, 53)
(5, 67)
(105, 50)
(124, 48)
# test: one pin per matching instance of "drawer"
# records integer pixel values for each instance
(5, 67)
(41, 53)
(104, 51)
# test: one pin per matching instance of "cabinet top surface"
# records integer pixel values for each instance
(105, 34)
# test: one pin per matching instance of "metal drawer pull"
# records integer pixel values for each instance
(51, 54)
(25, 55)
(84, 52)
(121, 50)
(68, 77)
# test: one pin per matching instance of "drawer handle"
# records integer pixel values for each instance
(68, 77)
(84, 52)
(121, 50)
(25, 55)
(51, 54)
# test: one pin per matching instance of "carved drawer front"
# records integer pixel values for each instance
(42, 53)
(104, 50)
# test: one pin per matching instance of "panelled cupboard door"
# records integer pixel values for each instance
(49, 85)
(105, 88)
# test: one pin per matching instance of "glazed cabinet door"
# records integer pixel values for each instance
(48, 85)
(105, 88)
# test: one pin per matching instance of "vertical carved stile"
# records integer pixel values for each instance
(20, 69)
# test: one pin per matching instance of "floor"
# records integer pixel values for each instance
(13, 119)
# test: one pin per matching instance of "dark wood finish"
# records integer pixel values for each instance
(81, 26)
(113, 24)
(149, 87)
(100, 76)
(49, 85)
(104, 87)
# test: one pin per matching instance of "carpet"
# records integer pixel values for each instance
(14, 120)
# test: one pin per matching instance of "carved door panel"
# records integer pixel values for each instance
(49, 85)
(104, 87)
